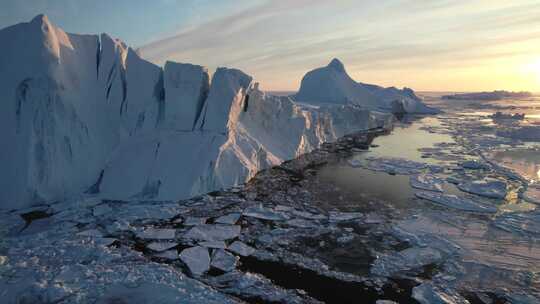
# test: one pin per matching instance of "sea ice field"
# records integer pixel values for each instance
(442, 209)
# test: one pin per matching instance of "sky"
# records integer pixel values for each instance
(428, 45)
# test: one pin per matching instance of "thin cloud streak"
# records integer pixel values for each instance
(278, 41)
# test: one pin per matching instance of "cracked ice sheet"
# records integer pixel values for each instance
(491, 188)
(395, 165)
(97, 274)
(207, 232)
(455, 202)
(427, 182)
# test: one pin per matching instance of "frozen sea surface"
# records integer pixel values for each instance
(338, 225)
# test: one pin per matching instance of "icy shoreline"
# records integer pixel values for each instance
(285, 237)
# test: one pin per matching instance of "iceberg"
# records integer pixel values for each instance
(87, 114)
(333, 85)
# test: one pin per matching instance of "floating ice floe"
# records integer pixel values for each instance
(301, 223)
(532, 194)
(214, 244)
(427, 182)
(427, 294)
(263, 213)
(474, 165)
(170, 255)
(455, 202)
(218, 232)
(335, 216)
(102, 210)
(241, 249)
(395, 165)
(224, 260)
(230, 219)
(355, 163)
(410, 259)
(197, 259)
(157, 234)
(193, 221)
(161, 246)
(491, 188)
(527, 223)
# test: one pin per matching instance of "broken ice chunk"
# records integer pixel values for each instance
(92, 233)
(157, 234)
(488, 187)
(241, 249)
(355, 163)
(230, 219)
(532, 194)
(192, 221)
(197, 259)
(395, 165)
(223, 260)
(527, 223)
(209, 232)
(161, 246)
(102, 210)
(428, 294)
(168, 255)
(214, 244)
(410, 259)
(474, 165)
(426, 182)
(263, 213)
(104, 241)
(335, 216)
(301, 223)
(455, 202)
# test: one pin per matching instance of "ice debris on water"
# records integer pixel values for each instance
(197, 259)
(241, 248)
(491, 188)
(427, 182)
(209, 232)
(230, 219)
(263, 213)
(355, 163)
(193, 221)
(428, 294)
(527, 223)
(474, 165)
(170, 255)
(157, 234)
(395, 165)
(455, 202)
(410, 259)
(224, 260)
(161, 246)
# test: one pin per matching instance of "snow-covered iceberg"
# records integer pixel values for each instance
(85, 113)
(332, 85)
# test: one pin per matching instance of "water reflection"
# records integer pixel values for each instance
(526, 162)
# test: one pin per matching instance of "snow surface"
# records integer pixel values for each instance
(332, 85)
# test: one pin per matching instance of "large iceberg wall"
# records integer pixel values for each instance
(333, 85)
(86, 114)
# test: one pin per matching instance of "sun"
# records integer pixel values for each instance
(534, 69)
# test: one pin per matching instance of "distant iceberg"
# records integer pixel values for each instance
(332, 85)
(495, 95)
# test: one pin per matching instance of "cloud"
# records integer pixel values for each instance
(278, 41)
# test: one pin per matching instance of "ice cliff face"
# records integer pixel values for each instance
(85, 113)
(332, 85)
